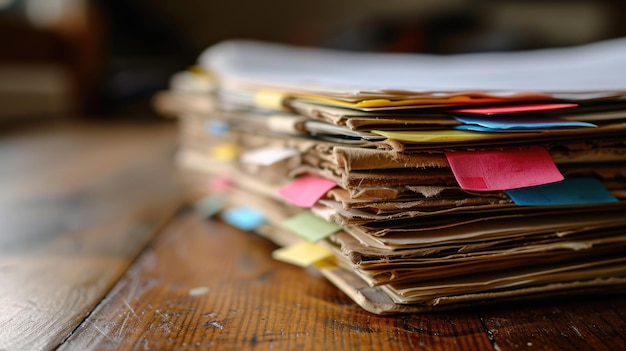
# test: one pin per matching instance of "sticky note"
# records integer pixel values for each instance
(273, 100)
(225, 152)
(477, 128)
(306, 190)
(244, 218)
(487, 170)
(494, 110)
(209, 206)
(311, 227)
(217, 128)
(436, 136)
(267, 156)
(495, 123)
(425, 101)
(220, 184)
(570, 191)
(302, 254)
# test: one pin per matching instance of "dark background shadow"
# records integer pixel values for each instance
(108, 57)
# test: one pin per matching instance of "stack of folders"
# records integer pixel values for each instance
(416, 182)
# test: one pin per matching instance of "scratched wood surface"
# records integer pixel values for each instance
(203, 285)
(82, 266)
(78, 202)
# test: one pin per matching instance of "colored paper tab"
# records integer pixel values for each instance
(436, 136)
(306, 190)
(302, 254)
(225, 152)
(209, 206)
(272, 100)
(244, 218)
(495, 123)
(311, 227)
(477, 128)
(503, 169)
(495, 110)
(268, 156)
(571, 191)
(220, 184)
(217, 128)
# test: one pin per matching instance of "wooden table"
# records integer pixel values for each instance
(96, 253)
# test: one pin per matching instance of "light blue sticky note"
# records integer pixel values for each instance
(477, 128)
(209, 206)
(216, 128)
(506, 122)
(244, 218)
(570, 191)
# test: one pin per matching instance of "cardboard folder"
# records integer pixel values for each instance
(423, 182)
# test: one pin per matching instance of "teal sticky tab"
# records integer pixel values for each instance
(497, 123)
(571, 191)
(244, 218)
(476, 128)
(209, 206)
(311, 227)
(217, 128)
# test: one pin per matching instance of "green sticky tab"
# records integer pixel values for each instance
(311, 227)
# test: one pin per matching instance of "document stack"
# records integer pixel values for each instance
(417, 182)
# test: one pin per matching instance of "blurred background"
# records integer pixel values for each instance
(106, 58)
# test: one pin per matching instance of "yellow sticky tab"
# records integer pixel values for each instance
(303, 254)
(447, 100)
(373, 104)
(225, 152)
(440, 136)
(270, 99)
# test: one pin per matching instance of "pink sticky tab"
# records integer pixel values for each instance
(503, 169)
(496, 110)
(220, 184)
(306, 190)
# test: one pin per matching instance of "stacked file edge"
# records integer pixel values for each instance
(371, 197)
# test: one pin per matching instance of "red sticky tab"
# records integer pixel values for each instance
(503, 169)
(306, 190)
(496, 110)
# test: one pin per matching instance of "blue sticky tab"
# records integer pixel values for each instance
(506, 122)
(244, 218)
(217, 128)
(572, 191)
(477, 128)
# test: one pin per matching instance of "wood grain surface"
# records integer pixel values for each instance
(78, 202)
(204, 285)
(83, 267)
